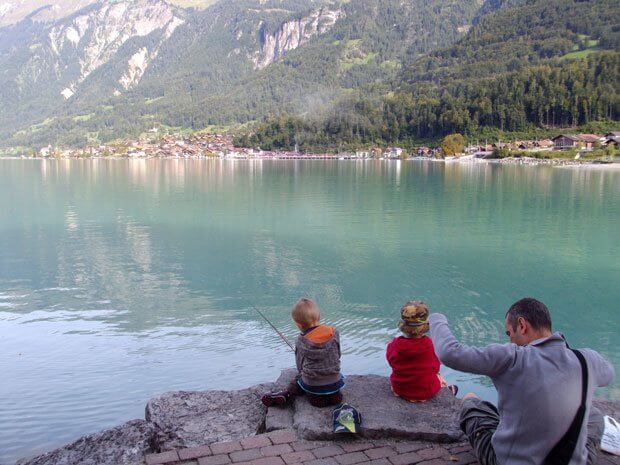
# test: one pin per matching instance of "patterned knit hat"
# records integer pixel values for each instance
(414, 319)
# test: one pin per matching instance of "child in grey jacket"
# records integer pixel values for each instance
(317, 356)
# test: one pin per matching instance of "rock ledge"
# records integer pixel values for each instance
(182, 419)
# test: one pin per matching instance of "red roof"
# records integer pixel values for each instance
(590, 137)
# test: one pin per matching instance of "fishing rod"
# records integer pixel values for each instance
(282, 336)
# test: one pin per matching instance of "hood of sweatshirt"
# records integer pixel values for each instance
(318, 338)
(320, 335)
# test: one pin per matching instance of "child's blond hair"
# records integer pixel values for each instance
(306, 313)
(414, 319)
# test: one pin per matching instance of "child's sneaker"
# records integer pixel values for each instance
(275, 398)
(454, 389)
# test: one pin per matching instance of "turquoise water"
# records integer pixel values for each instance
(123, 279)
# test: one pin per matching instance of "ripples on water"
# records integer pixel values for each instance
(120, 280)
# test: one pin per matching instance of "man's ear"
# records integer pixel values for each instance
(522, 325)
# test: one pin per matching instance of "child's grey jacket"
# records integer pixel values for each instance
(538, 387)
(318, 363)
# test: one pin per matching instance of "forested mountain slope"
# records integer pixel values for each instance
(523, 64)
(119, 68)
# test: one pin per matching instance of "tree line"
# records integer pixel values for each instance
(565, 93)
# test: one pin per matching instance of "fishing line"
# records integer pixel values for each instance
(282, 336)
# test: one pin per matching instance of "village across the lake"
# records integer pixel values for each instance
(574, 149)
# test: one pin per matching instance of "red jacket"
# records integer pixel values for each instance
(414, 367)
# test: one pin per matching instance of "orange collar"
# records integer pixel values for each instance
(320, 334)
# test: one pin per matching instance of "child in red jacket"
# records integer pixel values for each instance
(415, 367)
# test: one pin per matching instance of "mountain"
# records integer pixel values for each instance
(59, 58)
(315, 72)
(116, 68)
(519, 33)
(45, 64)
(524, 64)
(14, 11)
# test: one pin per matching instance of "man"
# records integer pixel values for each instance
(539, 385)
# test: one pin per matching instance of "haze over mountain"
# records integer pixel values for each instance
(117, 68)
(13, 11)
(525, 66)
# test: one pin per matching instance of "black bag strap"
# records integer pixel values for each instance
(562, 452)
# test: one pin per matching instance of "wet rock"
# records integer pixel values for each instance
(124, 445)
(383, 414)
(188, 419)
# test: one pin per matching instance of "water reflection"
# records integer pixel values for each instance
(121, 279)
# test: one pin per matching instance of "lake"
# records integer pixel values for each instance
(124, 279)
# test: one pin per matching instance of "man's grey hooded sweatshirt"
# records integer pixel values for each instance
(317, 354)
(538, 387)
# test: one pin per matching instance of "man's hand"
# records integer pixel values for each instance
(470, 395)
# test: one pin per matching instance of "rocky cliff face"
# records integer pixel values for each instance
(292, 34)
(72, 49)
(68, 51)
(12, 11)
(139, 61)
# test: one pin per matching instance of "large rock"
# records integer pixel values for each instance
(383, 414)
(281, 417)
(187, 419)
(124, 445)
(608, 407)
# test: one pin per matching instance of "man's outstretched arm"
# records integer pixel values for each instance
(491, 360)
(603, 371)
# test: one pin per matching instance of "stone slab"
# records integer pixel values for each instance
(383, 414)
(608, 407)
(126, 444)
(279, 418)
(188, 419)
(286, 376)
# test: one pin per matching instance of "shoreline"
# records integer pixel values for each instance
(183, 425)
(195, 428)
(521, 161)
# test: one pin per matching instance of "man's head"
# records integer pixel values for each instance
(527, 319)
(306, 314)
